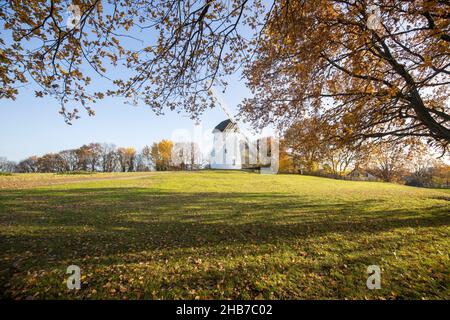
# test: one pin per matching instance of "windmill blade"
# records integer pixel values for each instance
(227, 112)
(222, 105)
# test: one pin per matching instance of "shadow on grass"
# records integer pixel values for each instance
(139, 219)
(44, 228)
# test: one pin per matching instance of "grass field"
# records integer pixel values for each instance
(205, 235)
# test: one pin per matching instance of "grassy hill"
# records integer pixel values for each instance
(219, 234)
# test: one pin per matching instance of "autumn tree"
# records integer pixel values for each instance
(155, 156)
(165, 148)
(194, 41)
(94, 155)
(440, 174)
(70, 159)
(28, 165)
(380, 72)
(82, 154)
(305, 141)
(424, 168)
(341, 155)
(390, 161)
(126, 158)
(340, 158)
(313, 145)
(286, 162)
(51, 163)
(422, 175)
(161, 154)
(386, 78)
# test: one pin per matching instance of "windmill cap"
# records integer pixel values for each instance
(225, 125)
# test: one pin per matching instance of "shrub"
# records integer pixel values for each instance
(81, 172)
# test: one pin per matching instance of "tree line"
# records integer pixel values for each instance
(104, 157)
(309, 147)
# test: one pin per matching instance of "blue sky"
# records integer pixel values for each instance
(33, 126)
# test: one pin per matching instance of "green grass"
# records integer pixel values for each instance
(207, 235)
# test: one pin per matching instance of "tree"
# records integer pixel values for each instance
(126, 158)
(440, 174)
(286, 162)
(422, 167)
(180, 155)
(392, 80)
(422, 176)
(146, 158)
(155, 156)
(51, 163)
(82, 154)
(108, 157)
(165, 149)
(341, 157)
(313, 143)
(195, 155)
(29, 165)
(94, 154)
(389, 160)
(70, 159)
(195, 41)
(161, 154)
(339, 154)
(6, 165)
(388, 78)
(305, 139)
(185, 155)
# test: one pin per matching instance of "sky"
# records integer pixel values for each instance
(33, 126)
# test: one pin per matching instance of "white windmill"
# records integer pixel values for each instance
(229, 142)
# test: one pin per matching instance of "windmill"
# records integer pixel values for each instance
(252, 151)
(255, 153)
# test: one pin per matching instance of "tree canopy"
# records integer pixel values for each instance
(300, 58)
(322, 57)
